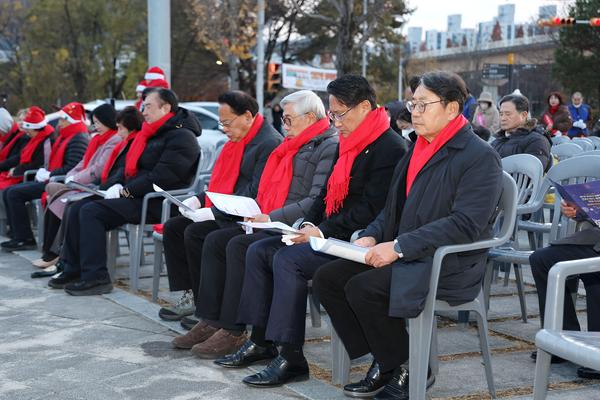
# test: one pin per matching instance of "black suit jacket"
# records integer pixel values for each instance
(370, 177)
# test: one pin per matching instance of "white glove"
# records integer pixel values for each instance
(192, 202)
(579, 124)
(200, 215)
(114, 192)
(69, 179)
(42, 175)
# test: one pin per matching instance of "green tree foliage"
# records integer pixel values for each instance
(68, 50)
(577, 58)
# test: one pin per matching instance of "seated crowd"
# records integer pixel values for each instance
(335, 172)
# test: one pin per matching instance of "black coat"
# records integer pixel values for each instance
(453, 200)
(525, 140)
(14, 155)
(169, 160)
(370, 177)
(73, 154)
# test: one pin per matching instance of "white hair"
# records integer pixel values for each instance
(304, 102)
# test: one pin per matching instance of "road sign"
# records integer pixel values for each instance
(495, 71)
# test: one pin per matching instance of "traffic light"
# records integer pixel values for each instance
(557, 21)
(273, 77)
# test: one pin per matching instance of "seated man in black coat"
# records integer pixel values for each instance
(275, 285)
(165, 152)
(444, 192)
(237, 171)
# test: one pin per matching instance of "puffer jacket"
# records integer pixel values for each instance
(525, 140)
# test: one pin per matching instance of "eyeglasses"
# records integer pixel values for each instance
(287, 120)
(337, 117)
(226, 124)
(419, 105)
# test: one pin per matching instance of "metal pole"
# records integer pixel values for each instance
(400, 75)
(159, 35)
(364, 49)
(260, 56)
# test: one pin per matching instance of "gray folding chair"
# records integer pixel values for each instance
(560, 139)
(595, 140)
(584, 143)
(421, 330)
(565, 150)
(589, 153)
(581, 348)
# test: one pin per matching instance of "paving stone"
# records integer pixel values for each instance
(518, 329)
(589, 393)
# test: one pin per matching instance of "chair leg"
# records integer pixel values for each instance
(340, 368)
(315, 310)
(521, 291)
(420, 330)
(487, 283)
(506, 267)
(134, 256)
(482, 328)
(542, 370)
(532, 242)
(158, 263)
(111, 253)
(40, 224)
(434, 362)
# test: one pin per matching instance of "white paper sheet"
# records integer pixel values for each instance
(274, 226)
(234, 205)
(339, 248)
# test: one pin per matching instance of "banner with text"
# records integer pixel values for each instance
(302, 77)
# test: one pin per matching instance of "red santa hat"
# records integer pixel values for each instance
(35, 118)
(73, 112)
(154, 73)
(143, 84)
(158, 83)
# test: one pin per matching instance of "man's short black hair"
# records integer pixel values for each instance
(414, 83)
(521, 102)
(351, 90)
(239, 102)
(167, 96)
(131, 118)
(448, 86)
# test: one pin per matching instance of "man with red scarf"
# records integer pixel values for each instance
(164, 152)
(275, 287)
(295, 173)
(237, 171)
(68, 149)
(444, 192)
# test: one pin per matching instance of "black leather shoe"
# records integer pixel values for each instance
(277, 373)
(248, 354)
(588, 373)
(189, 322)
(15, 244)
(61, 280)
(553, 360)
(50, 271)
(89, 288)
(397, 387)
(372, 383)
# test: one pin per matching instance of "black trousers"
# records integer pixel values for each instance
(357, 298)
(276, 287)
(222, 276)
(544, 259)
(15, 198)
(51, 228)
(183, 241)
(88, 220)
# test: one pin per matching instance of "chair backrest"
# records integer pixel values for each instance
(589, 153)
(560, 139)
(527, 171)
(565, 150)
(584, 143)
(595, 140)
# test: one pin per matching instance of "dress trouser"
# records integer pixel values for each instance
(543, 260)
(183, 241)
(84, 250)
(222, 276)
(276, 287)
(357, 299)
(51, 229)
(16, 211)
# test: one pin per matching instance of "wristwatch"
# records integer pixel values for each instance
(397, 249)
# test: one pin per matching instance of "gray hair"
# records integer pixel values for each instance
(578, 94)
(304, 102)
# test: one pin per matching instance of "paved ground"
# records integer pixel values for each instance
(55, 346)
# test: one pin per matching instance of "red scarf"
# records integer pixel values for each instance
(96, 142)
(373, 126)
(423, 150)
(32, 145)
(114, 154)
(554, 109)
(57, 154)
(8, 146)
(277, 176)
(139, 144)
(227, 167)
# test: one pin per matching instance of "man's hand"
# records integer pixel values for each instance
(367, 241)
(568, 210)
(306, 233)
(381, 255)
(259, 218)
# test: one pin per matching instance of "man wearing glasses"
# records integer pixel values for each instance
(275, 286)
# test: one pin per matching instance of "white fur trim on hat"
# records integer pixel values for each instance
(152, 75)
(69, 118)
(30, 125)
(140, 88)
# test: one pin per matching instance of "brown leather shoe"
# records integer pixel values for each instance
(221, 343)
(198, 334)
